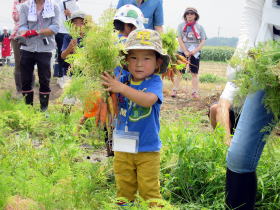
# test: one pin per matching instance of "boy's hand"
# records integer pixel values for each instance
(72, 45)
(112, 84)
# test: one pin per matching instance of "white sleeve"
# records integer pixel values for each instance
(251, 20)
(229, 92)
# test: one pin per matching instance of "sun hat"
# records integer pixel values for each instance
(191, 9)
(130, 14)
(147, 39)
(77, 14)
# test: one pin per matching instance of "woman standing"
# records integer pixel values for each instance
(39, 22)
(191, 37)
(15, 44)
(260, 22)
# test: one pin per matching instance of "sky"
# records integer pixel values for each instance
(218, 17)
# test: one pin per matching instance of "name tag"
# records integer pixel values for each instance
(125, 141)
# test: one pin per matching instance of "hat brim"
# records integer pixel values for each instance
(133, 22)
(165, 58)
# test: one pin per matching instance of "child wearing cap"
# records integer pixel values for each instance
(191, 37)
(136, 139)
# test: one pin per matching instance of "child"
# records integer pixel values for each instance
(140, 98)
(127, 19)
(191, 37)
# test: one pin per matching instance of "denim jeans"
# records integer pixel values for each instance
(248, 141)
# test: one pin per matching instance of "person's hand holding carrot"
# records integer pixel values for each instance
(112, 84)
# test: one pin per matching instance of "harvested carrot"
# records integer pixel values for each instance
(115, 104)
(110, 105)
(182, 58)
(103, 113)
(97, 116)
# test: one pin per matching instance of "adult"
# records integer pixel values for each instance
(39, 22)
(152, 10)
(260, 23)
(191, 38)
(59, 70)
(16, 45)
(6, 45)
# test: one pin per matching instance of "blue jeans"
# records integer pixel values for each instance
(248, 141)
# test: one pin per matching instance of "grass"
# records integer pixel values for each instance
(42, 160)
(211, 78)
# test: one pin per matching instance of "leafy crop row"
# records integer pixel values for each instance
(216, 53)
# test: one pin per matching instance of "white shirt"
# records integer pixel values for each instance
(257, 21)
(62, 17)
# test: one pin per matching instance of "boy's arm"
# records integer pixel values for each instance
(139, 97)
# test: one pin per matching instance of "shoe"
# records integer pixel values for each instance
(60, 82)
(44, 101)
(241, 189)
(195, 95)
(28, 98)
(174, 93)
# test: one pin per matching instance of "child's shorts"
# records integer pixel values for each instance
(137, 172)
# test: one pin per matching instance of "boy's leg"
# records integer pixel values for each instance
(148, 172)
(125, 175)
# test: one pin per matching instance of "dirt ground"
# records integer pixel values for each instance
(208, 92)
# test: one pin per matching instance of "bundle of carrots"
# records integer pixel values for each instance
(174, 67)
(103, 109)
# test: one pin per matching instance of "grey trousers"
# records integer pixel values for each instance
(16, 49)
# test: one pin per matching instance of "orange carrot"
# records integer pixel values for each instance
(97, 116)
(110, 105)
(115, 103)
(182, 58)
(103, 113)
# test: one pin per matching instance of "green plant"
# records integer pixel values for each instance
(211, 78)
(260, 71)
(216, 53)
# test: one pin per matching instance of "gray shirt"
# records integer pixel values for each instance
(36, 44)
(189, 38)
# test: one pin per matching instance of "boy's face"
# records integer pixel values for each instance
(78, 22)
(142, 63)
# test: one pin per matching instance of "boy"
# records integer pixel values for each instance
(140, 98)
(127, 19)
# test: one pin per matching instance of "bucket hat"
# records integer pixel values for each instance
(147, 39)
(191, 9)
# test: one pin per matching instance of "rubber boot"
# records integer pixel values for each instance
(28, 98)
(44, 101)
(241, 190)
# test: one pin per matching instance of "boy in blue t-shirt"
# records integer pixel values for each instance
(140, 99)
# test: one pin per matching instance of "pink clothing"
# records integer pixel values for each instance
(15, 15)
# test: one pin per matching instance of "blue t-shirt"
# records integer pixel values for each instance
(119, 69)
(152, 10)
(67, 39)
(141, 119)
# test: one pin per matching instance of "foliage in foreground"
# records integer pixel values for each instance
(261, 71)
(41, 160)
